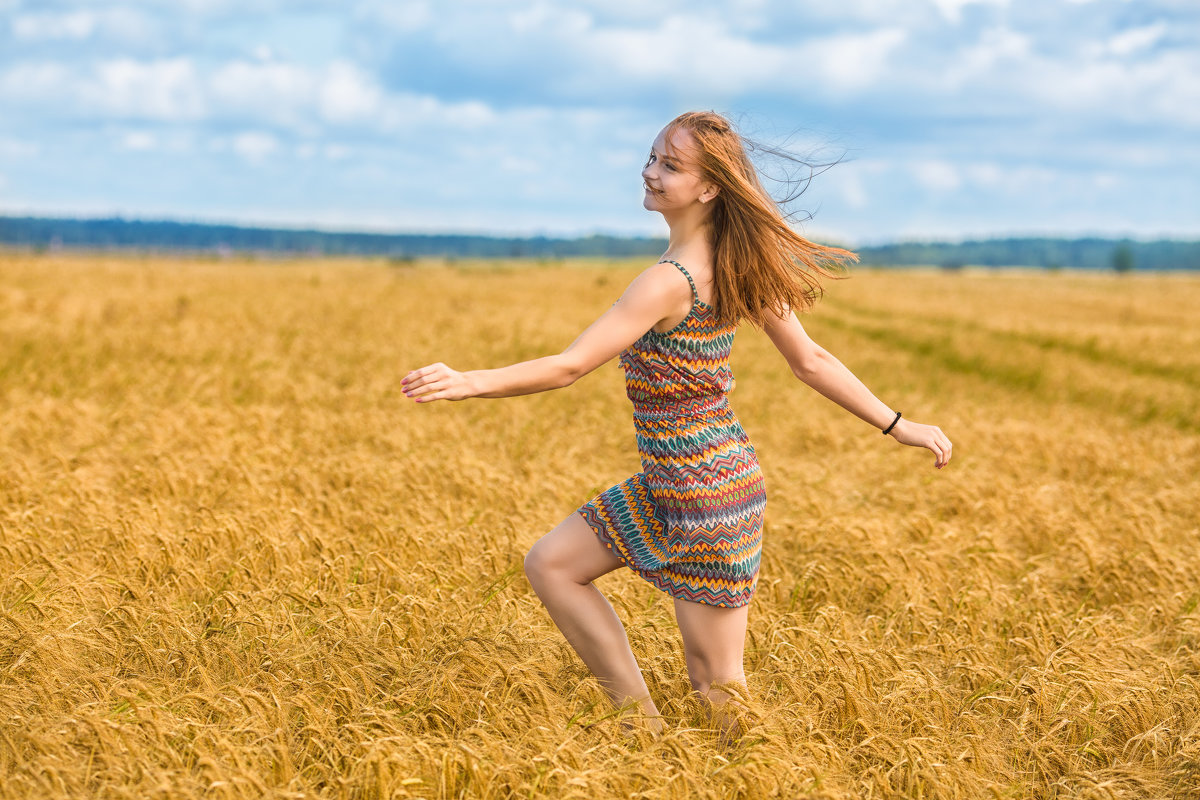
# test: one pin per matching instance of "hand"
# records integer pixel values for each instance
(436, 382)
(918, 435)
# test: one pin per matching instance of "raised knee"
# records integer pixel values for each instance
(535, 564)
(541, 564)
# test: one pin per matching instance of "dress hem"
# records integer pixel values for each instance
(650, 576)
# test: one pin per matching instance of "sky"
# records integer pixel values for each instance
(948, 119)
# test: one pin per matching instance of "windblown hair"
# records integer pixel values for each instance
(761, 265)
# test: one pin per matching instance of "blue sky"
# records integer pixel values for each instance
(953, 118)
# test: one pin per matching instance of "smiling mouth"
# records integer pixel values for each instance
(651, 189)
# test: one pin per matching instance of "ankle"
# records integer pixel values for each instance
(641, 714)
(634, 726)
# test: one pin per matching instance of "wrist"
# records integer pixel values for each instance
(893, 425)
(474, 384)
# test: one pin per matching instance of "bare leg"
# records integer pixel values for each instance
(561, 567)
(714, 639)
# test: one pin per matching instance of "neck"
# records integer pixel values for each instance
(689, 234)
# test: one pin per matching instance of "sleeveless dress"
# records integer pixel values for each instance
(691, 521)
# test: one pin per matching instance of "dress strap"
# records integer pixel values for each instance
(686, 274)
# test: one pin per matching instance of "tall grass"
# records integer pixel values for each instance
(236, 562)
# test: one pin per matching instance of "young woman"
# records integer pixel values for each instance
(691, 522)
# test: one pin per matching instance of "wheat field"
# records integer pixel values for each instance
(235, 561)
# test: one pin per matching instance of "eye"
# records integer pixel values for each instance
(650, 158)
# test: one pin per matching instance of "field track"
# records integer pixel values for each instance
(235, 561)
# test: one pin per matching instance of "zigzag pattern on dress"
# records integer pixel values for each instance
(691, 521)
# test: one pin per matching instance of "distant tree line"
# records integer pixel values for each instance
(42, 233)
(1122, 255)
(121, 234)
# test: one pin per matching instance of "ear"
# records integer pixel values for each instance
(710, 191)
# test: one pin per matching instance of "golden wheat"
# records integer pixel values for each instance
(236, 562)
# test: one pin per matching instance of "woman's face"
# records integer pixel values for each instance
(672, 177)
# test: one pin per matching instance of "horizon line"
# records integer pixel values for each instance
(565, 237)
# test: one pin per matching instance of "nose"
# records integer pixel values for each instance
(646, 171)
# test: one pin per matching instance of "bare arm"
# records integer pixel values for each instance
(818, 368)
(651, 297)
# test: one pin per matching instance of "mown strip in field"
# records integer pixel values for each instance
(950, 347)
(1089, 348)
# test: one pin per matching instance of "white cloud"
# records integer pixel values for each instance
(853, 192)
(856, 182)
(1157, 90)
(1129, 42)
(166, 89)
(212, 8)
(995, 46)
(699, 51)
(989, 178)
(986, 174)
(693, 53)
(283, 95)
(278, 92)
(403, 17)
(118, 23)
(519, 165)
(682, 51)
(937, 176)
(18, 148)
(138, 141)
(255, 146)
(544, 18)
(75, 25)
(36, 82)
(347, 94)
(417, 112)
(952, 9)
(641, 11)
(852, 61)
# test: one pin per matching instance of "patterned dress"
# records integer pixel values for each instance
(691, 521)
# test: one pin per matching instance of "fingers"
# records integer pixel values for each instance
(429, 398)
(932, 438)
(430, 389)
(422, 384)
(417, 375)
(434, 382)
(428, 392)
(941, 446)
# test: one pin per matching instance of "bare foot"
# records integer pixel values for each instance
(634, 726)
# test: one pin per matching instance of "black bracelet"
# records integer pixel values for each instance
(888, 429)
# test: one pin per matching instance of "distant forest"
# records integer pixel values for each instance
(120, 234)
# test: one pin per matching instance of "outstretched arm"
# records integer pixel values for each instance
(651, 297)
(817, 367)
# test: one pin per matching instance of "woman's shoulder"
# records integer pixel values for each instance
(697, 275)
(661, 289)
(666, 278)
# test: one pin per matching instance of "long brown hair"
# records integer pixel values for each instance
(760, 264)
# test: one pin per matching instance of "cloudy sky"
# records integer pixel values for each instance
(952, 118)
